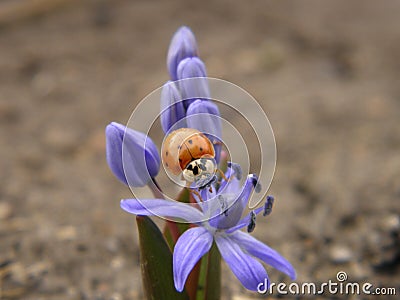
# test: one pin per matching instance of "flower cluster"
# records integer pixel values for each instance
(218, 214)
(219, 219)
(185, 98)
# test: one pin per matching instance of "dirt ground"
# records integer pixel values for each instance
(325, 72)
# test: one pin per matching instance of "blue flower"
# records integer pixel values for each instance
(172, 109)
(183, 45)
(179, 99)
(204, 116)
(196, 84)
(131, 155)
(219, 219)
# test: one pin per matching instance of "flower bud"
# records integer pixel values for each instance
(172, 109)
(194, 84)
(204, 116)
(183, 45)
(131, 155)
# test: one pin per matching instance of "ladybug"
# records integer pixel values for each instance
(189, 153)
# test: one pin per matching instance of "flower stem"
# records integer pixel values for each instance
(210, 276)
(172, 226)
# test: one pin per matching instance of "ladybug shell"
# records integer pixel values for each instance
(183, 146)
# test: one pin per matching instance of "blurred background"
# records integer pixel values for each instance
(325, 72)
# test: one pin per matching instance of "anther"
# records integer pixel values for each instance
(268, 205)
(252, 223)
(224, 209)
(256, 184)
(237, 169)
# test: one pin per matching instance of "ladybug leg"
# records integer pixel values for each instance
(197, 194)
(223, 175)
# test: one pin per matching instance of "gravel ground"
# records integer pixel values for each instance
(324, 71)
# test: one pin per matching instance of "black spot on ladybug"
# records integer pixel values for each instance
(195, 170)
(166, 164)
(190, 141)
(201, 149)
(166, 153)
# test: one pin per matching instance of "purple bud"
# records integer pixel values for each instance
(172, 109)
(131, 155)
(204, 116)
(195, 85)
(183, 45)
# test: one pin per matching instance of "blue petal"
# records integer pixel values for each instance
(183, 45)
(234, 175)
(189, 248)
(172, 109)
(244, 221)
(131, 155)
(162, 208)
(263, 252)
(235, 205)
(248, 270)
(232, 186)
(193, 83)
(204, 116)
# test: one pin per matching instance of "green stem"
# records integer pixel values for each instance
(210, 276)
(172, 226)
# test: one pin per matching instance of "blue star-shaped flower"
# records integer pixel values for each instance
(218, 218)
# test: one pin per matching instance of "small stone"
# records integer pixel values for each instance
(391, 223)
(117, 263)
(5, 210)
(37, 270)
(341, 254)
(116, 296)
(18, 273)
(67, 233)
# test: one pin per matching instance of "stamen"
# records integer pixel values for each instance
(224, 207)
(237, 169)
(268, 205)
(256, 184)
(252, 223)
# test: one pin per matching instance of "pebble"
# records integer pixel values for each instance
(5, 210)
(67, 233)
(391, 222)
(117, 263)
(116, 296)
(341, 254)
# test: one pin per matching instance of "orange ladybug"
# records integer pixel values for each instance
(189, 153)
